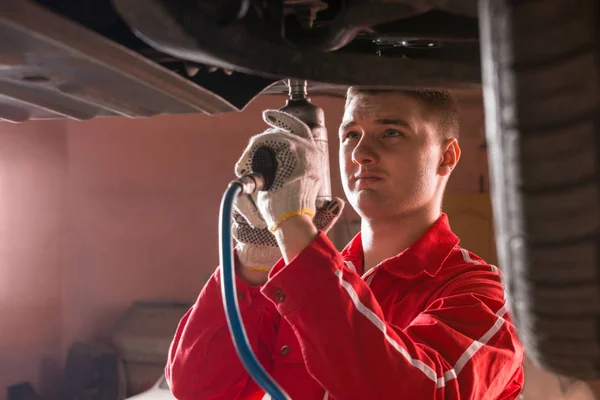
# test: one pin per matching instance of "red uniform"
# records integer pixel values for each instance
(430, 323)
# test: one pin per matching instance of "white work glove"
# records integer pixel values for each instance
(296, 184)
(257, 248)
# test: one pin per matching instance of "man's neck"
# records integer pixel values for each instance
(383, 239)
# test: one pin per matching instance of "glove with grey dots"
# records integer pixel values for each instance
(296, 184)
(257, 247)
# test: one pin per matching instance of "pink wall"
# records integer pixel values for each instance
(96, 214)
(143, 197)
(33, 166)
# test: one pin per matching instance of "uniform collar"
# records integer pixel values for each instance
(426, 255)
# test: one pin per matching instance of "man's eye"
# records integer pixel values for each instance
(352, 135)
(393, 133)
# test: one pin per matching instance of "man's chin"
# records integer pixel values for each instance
(369, 204)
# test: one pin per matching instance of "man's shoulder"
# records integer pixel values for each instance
(460, 258)
(465, 271)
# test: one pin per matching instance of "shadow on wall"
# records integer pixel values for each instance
(542, 385)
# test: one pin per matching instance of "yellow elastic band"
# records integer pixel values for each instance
(286, 216)
(258, 269)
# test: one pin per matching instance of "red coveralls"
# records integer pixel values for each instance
(430, 323)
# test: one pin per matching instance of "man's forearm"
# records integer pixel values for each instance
(294, 235)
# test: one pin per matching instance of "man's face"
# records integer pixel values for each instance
(389, 156)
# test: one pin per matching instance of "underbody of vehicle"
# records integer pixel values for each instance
(88, 58)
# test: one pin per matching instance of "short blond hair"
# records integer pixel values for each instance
(440, 105)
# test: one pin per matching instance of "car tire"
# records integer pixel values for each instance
(540, 64)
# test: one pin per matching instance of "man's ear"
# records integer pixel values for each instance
(450, 156)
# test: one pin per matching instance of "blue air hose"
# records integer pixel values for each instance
(230, 302)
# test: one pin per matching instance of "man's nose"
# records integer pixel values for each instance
(364, 153)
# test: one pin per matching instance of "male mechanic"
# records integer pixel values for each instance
(402, 313)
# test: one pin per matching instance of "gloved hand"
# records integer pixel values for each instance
(257, 248)
(296, 184)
